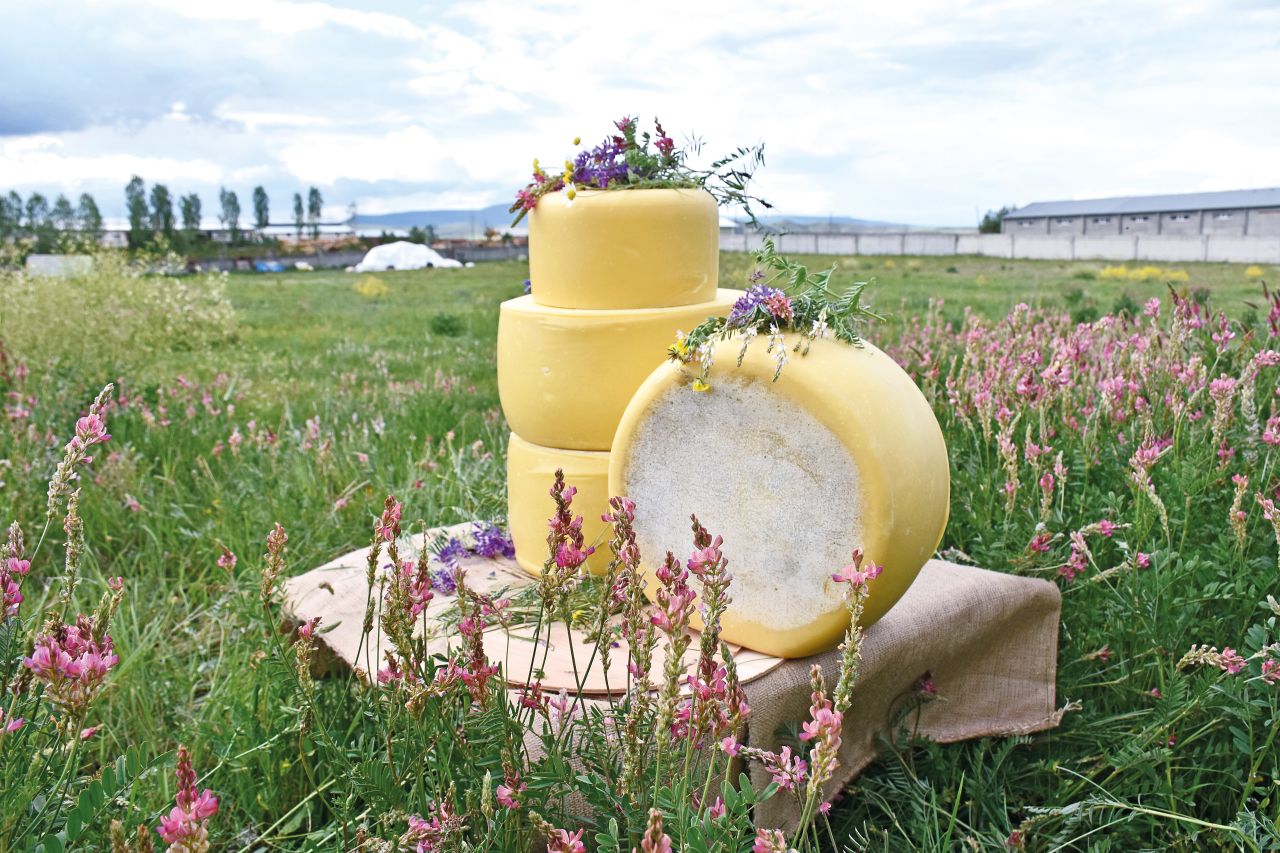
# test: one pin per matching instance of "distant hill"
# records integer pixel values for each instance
(472, 223)
(447, 223)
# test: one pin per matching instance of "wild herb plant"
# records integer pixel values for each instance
(625, 161)
(783, 299)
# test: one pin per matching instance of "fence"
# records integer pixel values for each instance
(1136, 247)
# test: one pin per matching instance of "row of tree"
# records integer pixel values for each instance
(36, 218)
(151, 215)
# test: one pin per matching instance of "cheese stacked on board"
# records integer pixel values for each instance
(614, 276)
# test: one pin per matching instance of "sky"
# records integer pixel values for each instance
(918, 111)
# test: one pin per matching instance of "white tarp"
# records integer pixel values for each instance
(403, 255)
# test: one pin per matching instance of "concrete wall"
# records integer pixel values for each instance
(1180, 223)
(1139, 223)
(986, 245)
(1265, 250)
(1111, 248)
(1226, 222)
(1264, 223)
(1025, 226)
(1102, 225)
(1151, 247)
(1066, 225)
(929, 244)
(880, 244)
(1129, 247)
(1055, 248)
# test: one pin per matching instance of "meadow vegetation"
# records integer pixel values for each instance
(1125, 449)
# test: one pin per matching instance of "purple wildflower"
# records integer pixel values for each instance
(492, 542)
(442, 581)
(601, 166)
(760, 297)
(452, 552)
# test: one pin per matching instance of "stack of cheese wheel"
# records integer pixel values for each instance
(842, 451)
(614, 275)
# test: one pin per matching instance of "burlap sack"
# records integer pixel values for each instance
(988, 640)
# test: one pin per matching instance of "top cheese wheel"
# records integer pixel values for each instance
(842, 451)
(612, 249)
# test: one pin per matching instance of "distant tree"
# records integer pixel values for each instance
(135, 197)
(37, 212)
(260, 207)
(63, 215)
(40, 222)
(10, 215)
(230, 216)
(314, 205)
(89, 218)
(417, 235)
(994, 219)
(298, 215)
(190, 208)
(161, 211)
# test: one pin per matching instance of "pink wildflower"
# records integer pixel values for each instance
(1271, 671)
(769, 841)
(1230, 661)
(184, 828)
(730, 747)
(1143, 560)
(655, 840)
(561, 841)
(1040, 542)
(507, 792)
(226, 560)
(854, 575)
(387, 527)
(717, 810)
(72, 664)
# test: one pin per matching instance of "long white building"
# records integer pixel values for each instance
(1236, 213)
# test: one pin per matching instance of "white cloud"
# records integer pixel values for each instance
(39, 161)
(919, 111)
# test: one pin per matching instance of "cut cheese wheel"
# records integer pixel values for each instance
(531, 471)
(842, 451)
(565, 376)
(624, 249)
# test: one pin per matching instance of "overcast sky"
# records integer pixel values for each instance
(920, 112)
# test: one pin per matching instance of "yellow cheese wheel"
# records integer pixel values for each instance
(531, 471)
(565, 376)
(842, 451)
(624, 249)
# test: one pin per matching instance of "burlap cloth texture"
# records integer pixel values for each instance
(988, 640)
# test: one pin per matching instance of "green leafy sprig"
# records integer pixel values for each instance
(784, 297)
(635, 159)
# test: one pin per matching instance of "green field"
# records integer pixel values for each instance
(341, 397)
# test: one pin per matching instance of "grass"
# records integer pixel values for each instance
(339, 399)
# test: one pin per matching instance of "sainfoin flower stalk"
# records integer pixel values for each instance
(185, 828)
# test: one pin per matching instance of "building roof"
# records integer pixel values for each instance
(1229, 200)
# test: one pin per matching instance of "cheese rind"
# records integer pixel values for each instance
(565, 376)
(869, 469)
(613, 249)
(531, 471)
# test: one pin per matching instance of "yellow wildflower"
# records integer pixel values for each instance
(700, 385)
